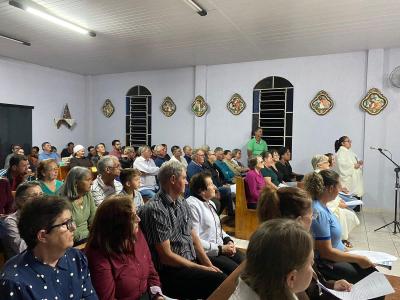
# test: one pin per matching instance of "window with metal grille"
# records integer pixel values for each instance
(273, 111)
(138, 116)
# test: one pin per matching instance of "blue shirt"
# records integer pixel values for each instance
(51, 155)
(159, 161)
(24, 277)
(226, 172)
(325, 226)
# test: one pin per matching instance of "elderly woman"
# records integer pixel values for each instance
(127, 158)
(267, 172)
(50, 268)
(333, 260)
(13, 243)
(349, 167)
(78, 158)
(236, 169)
(76, 189)
(47, 173)
(218, 245)
(294, 203)
(254, 181)
(347, 218)
(120, 264)
(268, 273)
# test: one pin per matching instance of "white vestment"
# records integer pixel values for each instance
(350, 177)
(347, 218)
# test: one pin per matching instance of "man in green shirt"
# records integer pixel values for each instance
(256, 145)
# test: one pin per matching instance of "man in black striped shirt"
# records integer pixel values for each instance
(184, 268)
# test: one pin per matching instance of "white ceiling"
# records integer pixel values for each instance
(137, 35)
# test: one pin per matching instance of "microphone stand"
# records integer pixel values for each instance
(395, 223)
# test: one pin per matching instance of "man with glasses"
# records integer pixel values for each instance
(12, 242)
(50, 268)
(105, 184)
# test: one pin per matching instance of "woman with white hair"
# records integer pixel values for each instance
(347, 218)
(76, 189)
(78, 158)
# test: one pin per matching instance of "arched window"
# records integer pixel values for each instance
(273, 110)
(138, 116)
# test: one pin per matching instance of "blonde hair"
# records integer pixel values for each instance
(317, 183)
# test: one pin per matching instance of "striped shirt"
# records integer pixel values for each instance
(163, 219)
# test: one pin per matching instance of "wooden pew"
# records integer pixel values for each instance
(246, 221)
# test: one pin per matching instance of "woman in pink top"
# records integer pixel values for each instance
(254, 181)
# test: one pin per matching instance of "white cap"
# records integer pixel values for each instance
(78, 148)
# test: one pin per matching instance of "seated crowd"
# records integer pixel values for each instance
(148, 225)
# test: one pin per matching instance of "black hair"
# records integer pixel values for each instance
(339, 142)
(114, 142)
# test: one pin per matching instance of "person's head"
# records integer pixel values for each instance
(19, 165)
(70, 146)
(53, 149)
(320, 162)
(130, 178)
(109, 166)
(153, 150)
(116, 144)
(279, 260)
(256, 163)
(287, 202)
(176, 152)
(116, 214)
(331, 159)
(324, 184)
(258, 132)
(211, 157)
(35, 150)
(21, 151)
(100, 149)
(285, 154)
(267, 158)
(46, 147)
(47, 170)
(79, 151)
(202, 186)
(198, 156)
(219, 153)
(27, 191)
(15, 148)
(205, 148)
(275, 155)
(344, 141)
(129, 152)
(228, 154)
(92, 151)
(145, 152)
(160, 150)
(187, 150)
(172, 177)
(47, 222)
(77, 183)
(236, 154)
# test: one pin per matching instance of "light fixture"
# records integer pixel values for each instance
(39, 11)
(3, 36)
(201, 11)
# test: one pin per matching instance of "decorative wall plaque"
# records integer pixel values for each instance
(374, 102)
(322, 103)
(108, 108)
(236, 104)
(65, 119)
(199, 106)
(168, 107)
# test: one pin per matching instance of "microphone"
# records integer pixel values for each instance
(379, 149)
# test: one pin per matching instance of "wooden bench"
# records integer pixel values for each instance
(246, 221)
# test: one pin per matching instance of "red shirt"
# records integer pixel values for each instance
(123, 277)
(6, 199)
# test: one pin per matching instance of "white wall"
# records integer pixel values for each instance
(48, 90)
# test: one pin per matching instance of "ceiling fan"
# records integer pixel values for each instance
(394, 77)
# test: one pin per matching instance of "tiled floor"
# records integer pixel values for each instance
(364, 237)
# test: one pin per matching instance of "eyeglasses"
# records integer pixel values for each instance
(70, 224)
(349, 141)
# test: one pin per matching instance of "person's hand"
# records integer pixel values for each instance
(228, 249)
(159, 297)
(345, 190)
(364, 262)
(342, 285)
(360, 162)
(210, 268)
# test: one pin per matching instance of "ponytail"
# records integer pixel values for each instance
(316, 183)
(339, 142)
